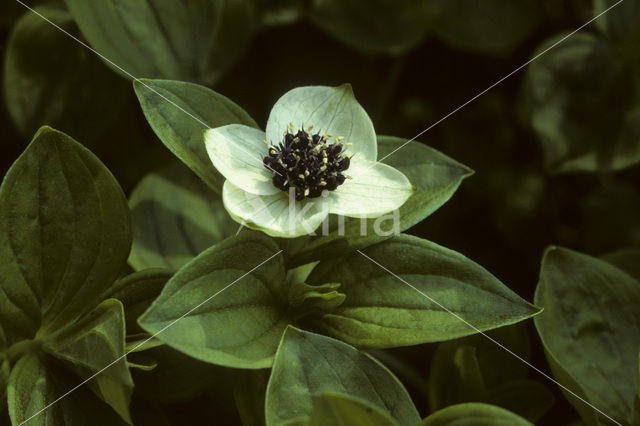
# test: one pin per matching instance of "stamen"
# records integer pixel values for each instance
(307, 162)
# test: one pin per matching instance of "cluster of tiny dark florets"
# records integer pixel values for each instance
(308, 163)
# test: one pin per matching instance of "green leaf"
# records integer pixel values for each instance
(31, 390)
(308, 364)
(136, 291)
(37, 381)
(92, 344)
(527, 398)
(279, 12)
(379, 26)
(64, 234)
(188, 377)
(566, 111)
(434, 175)
(474, 368)
(590, 330)
(49, 79)
(186, 40)
(4, 383)
(620, 23)
(239, 307)
(179, 112)
(175, 218)
(455, 376)
(490, 26)
(626, 259)
(476, 414)
(249, 391)
(338, 409)
(496, 365)
(380, 310)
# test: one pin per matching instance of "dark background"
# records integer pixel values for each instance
(502, 217)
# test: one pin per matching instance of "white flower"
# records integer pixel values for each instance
(318, 156)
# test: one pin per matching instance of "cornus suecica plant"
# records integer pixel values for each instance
(286, 180)
(135, 298)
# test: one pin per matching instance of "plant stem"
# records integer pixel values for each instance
(15, 351)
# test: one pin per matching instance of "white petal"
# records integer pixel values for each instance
(237, 152)
(375, 189)
(274, 214)
(332, 110)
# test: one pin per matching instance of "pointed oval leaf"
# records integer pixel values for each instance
(179, 112)
(227, 306)
(308, 365)
(590, 330)
(382, 310)
(175, 218)
(64, 234)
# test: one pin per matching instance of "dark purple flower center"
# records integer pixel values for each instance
(308, 163)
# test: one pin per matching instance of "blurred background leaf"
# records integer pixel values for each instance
(489, 26)
(580, 101)
(175, 217)
(374, 26)
(192, 40)
(49, 80)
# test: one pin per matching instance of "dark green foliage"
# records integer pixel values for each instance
(129, 294)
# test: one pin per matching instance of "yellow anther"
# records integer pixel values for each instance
(265, 142)
(329, 135)
(322, 183)
(318, 148)
(348, 144)
(301, 176)
(325, 160)
(340, 138)
(306, 192)
(291, 126)
(272, 151)
(310, 127)
(323, 168)
(306, 173)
